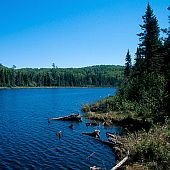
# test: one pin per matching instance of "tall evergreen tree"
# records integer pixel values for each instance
(149, 41)
(167, 62)
(128, 64)
(167, 49)
(139, 61)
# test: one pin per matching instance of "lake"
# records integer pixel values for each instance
(28, 141)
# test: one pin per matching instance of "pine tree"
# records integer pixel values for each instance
(128, 64)
(149, 41)
(167, 49)
(167, 62)
(139, 61)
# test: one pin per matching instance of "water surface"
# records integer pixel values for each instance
(28, 141)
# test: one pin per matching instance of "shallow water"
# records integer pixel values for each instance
(28, 141)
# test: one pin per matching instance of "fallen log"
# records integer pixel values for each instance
(120, 163)
(107, 123)
(111, 144)
(73, 117)
(95, 168)
(95, 134)
(109, 134)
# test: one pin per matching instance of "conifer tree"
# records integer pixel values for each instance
(167, 62)
(139, 61)
(149, 41)
(128, 64)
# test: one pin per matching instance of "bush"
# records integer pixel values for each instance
(152, 95)
(151, 148)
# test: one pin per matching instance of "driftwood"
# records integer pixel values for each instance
(59, 134)
(109, 134)
(107, 123)
(73, 117)
(114, 138)
(120, 163)
(95, 134)
(91, 155)
(111, 144)
(95, 168)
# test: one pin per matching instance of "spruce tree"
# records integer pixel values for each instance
(149, 41)
(167, 63)
(139, 61)
(128, 64)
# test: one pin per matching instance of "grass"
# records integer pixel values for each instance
(149, 149)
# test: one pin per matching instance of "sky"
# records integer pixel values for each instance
(72, 33)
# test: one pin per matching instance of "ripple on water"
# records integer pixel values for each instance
(28, 141)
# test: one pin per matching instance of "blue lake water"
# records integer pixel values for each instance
(28, 141)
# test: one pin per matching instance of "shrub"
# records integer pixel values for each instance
(151, 148)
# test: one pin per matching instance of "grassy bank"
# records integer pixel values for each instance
(146, 139)
(150, 150)
(142, 103)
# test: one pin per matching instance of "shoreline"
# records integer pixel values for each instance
(138, 133)
(57, 87)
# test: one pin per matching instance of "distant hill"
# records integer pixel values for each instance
(92, 76)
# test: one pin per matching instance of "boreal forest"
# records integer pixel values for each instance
(94, 76)
(142, 103)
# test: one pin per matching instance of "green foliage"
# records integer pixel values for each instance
(145, 89)
(148, 84)
(128, 65)
(121, 105)
(151, 148)
(143, 92)
(103, 75)
(112, 104)
(149, 41)
(152, 95)
(145, 95)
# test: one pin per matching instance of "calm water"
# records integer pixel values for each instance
(28, 141)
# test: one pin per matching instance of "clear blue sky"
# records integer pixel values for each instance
(72, 33)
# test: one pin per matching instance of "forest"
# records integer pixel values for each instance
(145, 88)
(92, 76)
(142, 103)
(147, 82)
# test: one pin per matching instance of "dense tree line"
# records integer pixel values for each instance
(142, 103)
(145, 89)
(145, 94)
(147, 82)
(102, 75)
